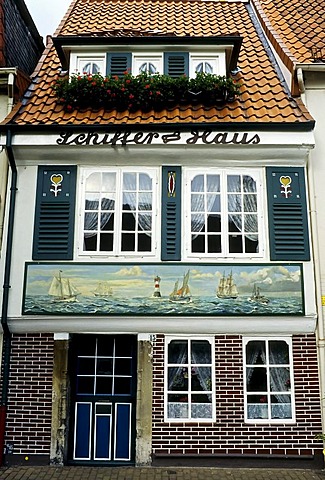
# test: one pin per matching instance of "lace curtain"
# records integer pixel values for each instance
(137, 203)
(205, 197)
(279, 377)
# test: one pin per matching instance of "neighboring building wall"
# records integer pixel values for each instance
(17, 33)
(229, 435)
(30, 395)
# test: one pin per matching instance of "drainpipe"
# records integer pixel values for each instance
(5, 299)
(301, 84)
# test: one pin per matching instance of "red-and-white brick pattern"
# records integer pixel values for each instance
(30, 394)
(230, 435)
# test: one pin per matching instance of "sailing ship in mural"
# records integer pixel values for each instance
(182, 294)
(62, 290)
(103, 290)
(256, 296)
(227, 287)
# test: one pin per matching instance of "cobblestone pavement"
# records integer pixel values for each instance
(153, 473)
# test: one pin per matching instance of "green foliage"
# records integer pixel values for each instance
(143, 91)
(320, 436)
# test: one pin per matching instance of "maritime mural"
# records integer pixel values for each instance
(163, 289)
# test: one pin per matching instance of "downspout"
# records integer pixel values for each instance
(301, 84)
(5, 299)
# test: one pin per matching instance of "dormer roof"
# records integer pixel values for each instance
(264, 99)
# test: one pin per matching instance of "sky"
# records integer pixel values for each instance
(47, 14)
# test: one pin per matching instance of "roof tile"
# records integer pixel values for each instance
(262, 99)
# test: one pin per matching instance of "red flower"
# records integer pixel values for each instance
(115, 77)
(69, 108)
(128, 81)
(122, 89)
(79, 77)
(109, 91)
(147, 86)
(131, 96)
(158, 92)
(94, 84)
(130, 105)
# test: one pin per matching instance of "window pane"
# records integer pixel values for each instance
(104, 385)
(279, 352)
(281, 406)
(233, 183)
(251, 244)
(145, 201)
(213, 183)
(91, 221)
(144, 242)
(92, 201)
(197, 184)
(234, 203)
(198, 244)
(177, 406)
(177, 352)
(213, 203)
(214, 223)
(86, 366)
(129, 181)
(108, 182)
(128, 222)
(123, 366)
(255, 353)
(122, 386)
(200, 351)
(250, 203)
(280, 379)
(200, 379)
(197, 222)
(129, 201)
(197, 203)
(235, 244)
(93, 182)
(235, 223)
(178, 378)
(214, 244)
(85, 385)
(249, 184)
(128, 242)
(145, 182)
(106, 242)
(104, 366)
(256, 379)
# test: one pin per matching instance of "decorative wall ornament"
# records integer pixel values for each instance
(286, 186)
(171, 184)
(56, 183)
(163, 289)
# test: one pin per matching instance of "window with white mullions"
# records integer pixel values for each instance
(189, 379)
(224, 214)
(118, 212)
(147, 64)
(90, 65)
(268, 380)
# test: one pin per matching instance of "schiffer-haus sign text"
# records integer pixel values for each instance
(204, 137)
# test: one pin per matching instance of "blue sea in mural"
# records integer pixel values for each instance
(140, 306)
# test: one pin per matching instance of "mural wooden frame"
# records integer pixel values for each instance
(163, 289)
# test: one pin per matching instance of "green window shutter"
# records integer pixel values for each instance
(171, 214)
(176, 64)
(288, 220)
(55, 213)
(118, 63)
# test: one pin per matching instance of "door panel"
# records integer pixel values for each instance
(103, 393)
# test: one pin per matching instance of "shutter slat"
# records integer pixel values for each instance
(54, 214)
(288, 221)
(118, 63)
(176, 64)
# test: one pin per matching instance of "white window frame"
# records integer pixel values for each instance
(188, 175)
(217, 61)
(79, 58)
(139, 59)
(211, 340)
(269, 420)
(117, 253)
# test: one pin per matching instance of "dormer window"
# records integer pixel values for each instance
(211, 64)
(147, 64)
(89, 64)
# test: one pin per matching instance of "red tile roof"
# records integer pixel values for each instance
(295, 26)
(263, 96)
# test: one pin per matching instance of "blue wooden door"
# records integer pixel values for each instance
(104, 399)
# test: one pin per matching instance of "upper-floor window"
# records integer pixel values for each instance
(223, 217)
(145, 64)
(189, 379)
(90, 64)
(268, 380)
(204, 64)
(170, 63)
(119, 215)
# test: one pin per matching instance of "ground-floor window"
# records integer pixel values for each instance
(268, 380)
(189, 379)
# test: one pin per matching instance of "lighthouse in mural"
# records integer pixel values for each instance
(156, 292)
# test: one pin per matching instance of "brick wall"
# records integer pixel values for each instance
(30, 394)
(229, 435)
